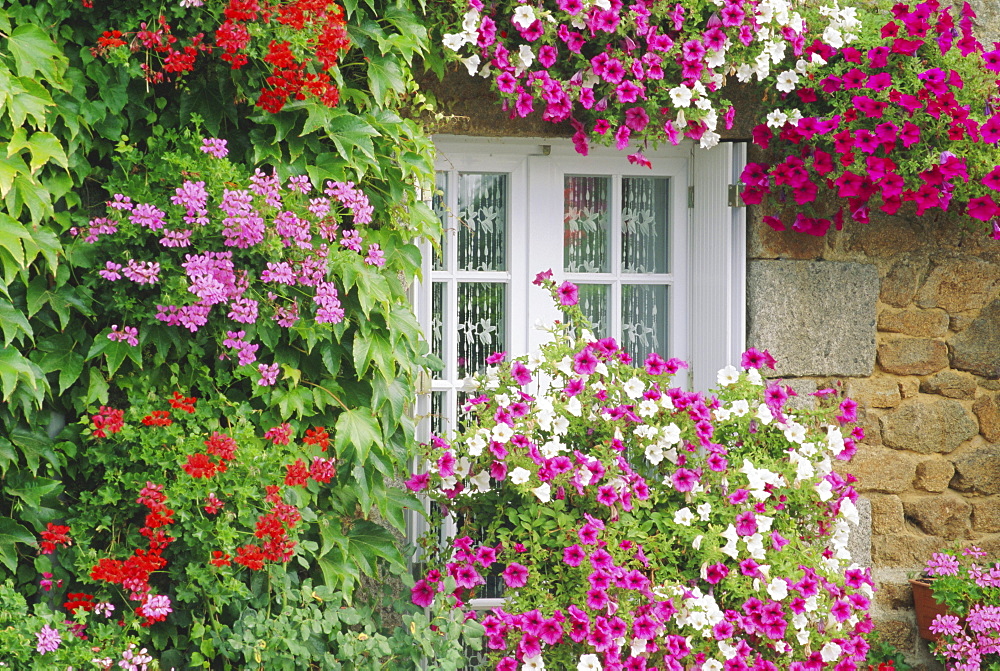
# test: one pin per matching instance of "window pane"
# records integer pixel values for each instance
(595, 301)
(439, 203)
(482, 221)
(645, 224)
(439, 418)
(438, 312)
(481, 325)
(586, 224)
(644, 320)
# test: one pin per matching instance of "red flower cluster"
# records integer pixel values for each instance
(54, 536)
(292, 77)
(200, 465)
(317, 436)
(272, 529)
(179, 402)
(158, 418)
(78, 600)
(107, 420)
(133, 573)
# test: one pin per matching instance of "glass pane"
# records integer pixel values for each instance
(586, 224)
(482, 221)
(438, 312)
(481, 324)
(439, 418)
(439, 203)
(645, 224)
(595, 301)
(644, 320)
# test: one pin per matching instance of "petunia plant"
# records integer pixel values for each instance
(905, 114)
(641, 73)
(636, 525)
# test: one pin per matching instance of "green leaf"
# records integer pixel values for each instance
(371, 542)
(33, 490)
(12, 532)
(10, 168)
(392, 504)
(13, 323)
(359, 428)
(362, 354)
(384, 76)
(34, 51)
(45, 147)
(30, 100)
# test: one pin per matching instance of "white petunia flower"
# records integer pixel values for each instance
(560, 425)
(709, 139)
(648, 408)
(535, 663)
(470, 22)
(712, 665)
(453, 41)
(727, 376)
(574, 407)
(723, 414)
(776, 119)
(787, 81)
(654, 453)
(743, 73)
(849, 511)
(704, 510)
(477, 444)
(680, 96)
(696, 543)
(502, 433)
(671, 434)
(777, 589)
(590, 662)
(740, 407)
(753, 377)
(525, 56)
(825, 490)
(520, 475)
(833, 37)
(795, 432)
(543, 492)
(830, 652)
(634, 388)
(684, 516)
(481, 481)
(764, 414)
(524, 16)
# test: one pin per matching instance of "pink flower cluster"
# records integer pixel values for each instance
(900, 102)
(264, 217)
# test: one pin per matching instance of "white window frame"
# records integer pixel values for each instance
(707, 320)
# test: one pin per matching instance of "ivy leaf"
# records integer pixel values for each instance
(359, 428)
(384, 75)
(33, 490)
(34, 51)
(371, 542)
(14, 323)
(12, 532)
(45, 147)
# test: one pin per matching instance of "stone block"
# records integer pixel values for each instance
(903, 279)
(887, 514)
(919, 323)
(884, 471)
(959, 284)
(959, 322)
(987, 409)
(909, 551)
(933, 475)
(977, 469)
(977, 348)
(894, 596)
(901, 634)
(945, 515)
(859, 542)
(986, 515)
(803, 388)
(927, 425)
(763, 242)
(912, 356)
(909, 387)
(816, 318)
(950, 383)
(875, 392)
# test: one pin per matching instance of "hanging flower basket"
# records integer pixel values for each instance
(926, 608)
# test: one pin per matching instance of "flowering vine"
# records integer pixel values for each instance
(632, 525)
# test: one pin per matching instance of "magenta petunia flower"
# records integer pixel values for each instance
(515, 575)
(568, 294)
(422, 593)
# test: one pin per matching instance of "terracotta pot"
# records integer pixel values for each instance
(926, 608)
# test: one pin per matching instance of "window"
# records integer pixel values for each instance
(658, 268)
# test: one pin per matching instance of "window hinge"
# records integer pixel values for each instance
(691, 196)
(734, 196)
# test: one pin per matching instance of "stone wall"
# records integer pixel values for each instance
(905, 313)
